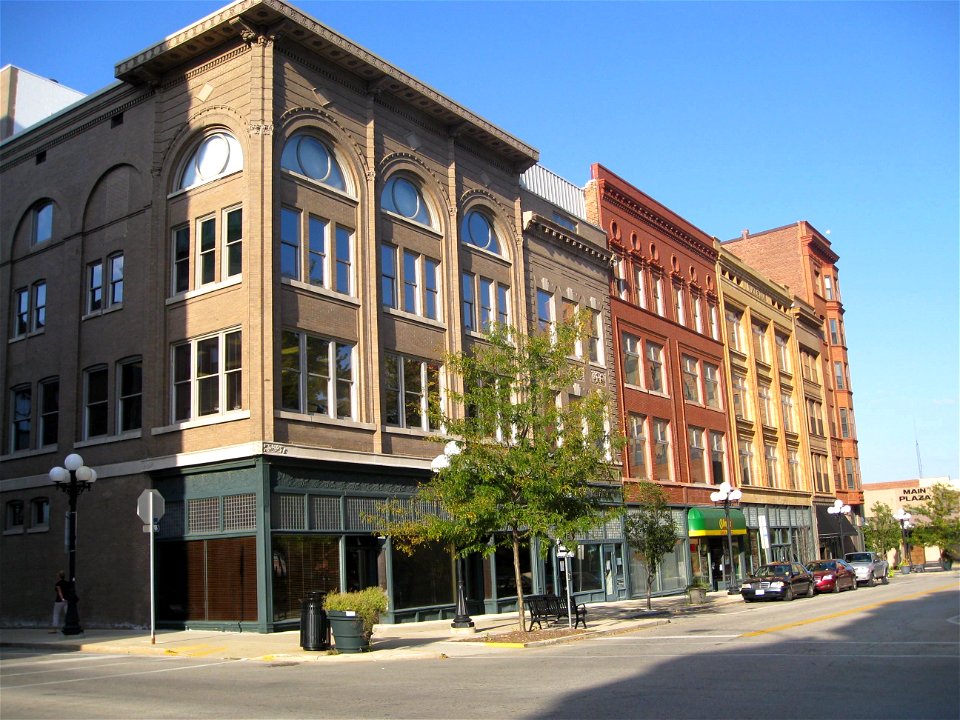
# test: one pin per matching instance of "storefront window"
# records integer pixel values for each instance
(506, 583)
(587, 570)
(671, 574)
(423, 578)
(302, 564)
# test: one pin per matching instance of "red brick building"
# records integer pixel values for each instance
(664, 312)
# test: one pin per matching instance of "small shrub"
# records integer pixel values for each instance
(367, 604)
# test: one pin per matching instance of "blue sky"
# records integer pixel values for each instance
(734, 115)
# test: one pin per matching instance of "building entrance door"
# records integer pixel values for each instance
(615, 586)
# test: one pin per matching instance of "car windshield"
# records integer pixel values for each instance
(858, 557)
(822, 565)
(773, 570)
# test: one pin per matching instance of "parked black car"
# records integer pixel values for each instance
(778, 581)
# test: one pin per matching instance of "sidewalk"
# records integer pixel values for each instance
(428, 640)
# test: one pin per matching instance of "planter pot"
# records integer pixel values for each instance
(348, 634)
(946, 564)
(697, 596)
(904, 569)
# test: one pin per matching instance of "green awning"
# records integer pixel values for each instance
(713, 522)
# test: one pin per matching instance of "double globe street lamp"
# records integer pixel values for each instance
(726, 495)
(73, 479)
(839, 509)
(903, 517)
(461, 619)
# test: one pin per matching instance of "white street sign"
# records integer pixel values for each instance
(150, 512)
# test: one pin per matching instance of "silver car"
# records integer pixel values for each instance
(869, 566)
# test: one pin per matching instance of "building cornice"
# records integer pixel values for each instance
(552, 232)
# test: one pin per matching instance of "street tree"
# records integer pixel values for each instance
(649, 529)
(937, 521)
(881, 532)
(522, 462)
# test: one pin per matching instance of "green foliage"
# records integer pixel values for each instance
(650, 530)
(881, 531)
(937, 521)
(523, 466)
(367, 604)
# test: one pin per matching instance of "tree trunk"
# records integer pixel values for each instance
(650, 578)
(521, 612)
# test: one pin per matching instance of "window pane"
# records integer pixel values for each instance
(409, 282)
(39, 305)
(413, 393)
(208, 251)
(290, 244)
(344, 241)
(116, 279)
(22, 402)
(290, 371)
(318, 376)
(469, 303)
(388, 278)
(208, 380)
(181, 260)
(391, 393)
(318, 250)
(430, 272)
(49, 412)
(43, 228)
(131, 392)
(96, 403)
(234, 242)
(344, 381)
(95, 287)
(234, 376)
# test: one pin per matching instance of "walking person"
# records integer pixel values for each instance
(59, 602)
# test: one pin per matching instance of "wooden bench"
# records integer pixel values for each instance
(552, 608)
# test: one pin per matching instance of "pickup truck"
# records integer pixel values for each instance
(870, 567)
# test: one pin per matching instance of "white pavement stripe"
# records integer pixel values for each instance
(118, 660)
(666, 637)
(119, 675)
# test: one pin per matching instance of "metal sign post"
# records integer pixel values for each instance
(566, 560)
(150, 508)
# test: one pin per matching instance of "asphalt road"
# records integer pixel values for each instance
(886, 652)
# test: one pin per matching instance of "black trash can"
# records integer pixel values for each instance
(314, 626)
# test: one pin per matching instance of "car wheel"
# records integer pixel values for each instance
(836, 585)
(746, 599)
(788, 595)
(872, 582)
(885, 580)
(854, 585)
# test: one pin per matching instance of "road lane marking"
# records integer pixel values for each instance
(852, 611)
(118, 675)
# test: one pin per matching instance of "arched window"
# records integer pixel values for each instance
(308, 156)
(41, 228)
(402, 197)
(218, 154)
(477, 230)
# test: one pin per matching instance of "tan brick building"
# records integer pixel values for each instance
(801, 258)
(232, 276)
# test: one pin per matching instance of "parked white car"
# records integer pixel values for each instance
(870, 567)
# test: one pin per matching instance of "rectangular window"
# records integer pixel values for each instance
(42, 223)
(815, 416)
(661, 450)
(786, 408)
(637, 445)
(388, 276)
(115, 265)
(658, 296)
(759, 333)
(14, 515)
(181, 259)
(740, 404)
(641, 280)
(21, 402)
(698, 315)
(94, 287)
(773, 470)
(411, 386)
(39, 306)
(621, 288)
(848, 471)
(469, 300)
(711, 385)
(629, 348)
(206, 251)
(838, 375)
(679, 309)
(207, 376)
(766, 406)
(411, 282)
(783, 353)
(655, 368)
(39, 513)
(503, 304)
(49, 411)
(834, 331)
(844, 423)
(21, 312)
(746, 462)
(233, 242)
(717, 457)
(486, 304)
(595, 341)
(691, 379)
(544, 311)
(95, 403)
(828, 287)
(793, 469)
(734, 323)
(130, 395)
(431, 288)
(698, 470)
(714, 322)
(317, 375)
(320, 253)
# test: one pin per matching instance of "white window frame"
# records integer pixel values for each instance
(654, 361)
(475, 303)
(17, 418)
(698, 454)
(224, 375)
(334, 383)
(679, 305)
(745, 449)
(711, 386)
(658, 301)
(403, 393)
(637, 435)
(765, 396)
(735, 329)
(127, 397)
(98, 405)
(698, 314)
(641, 280)
(545, 324)
(630, 346)
(773, 464)
(661, 439)
(331, 257)
(690, 372)
(595, 337)
(718, 454)
(758, 333)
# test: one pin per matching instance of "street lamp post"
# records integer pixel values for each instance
(461, 618)
(73, 479)
(903, 517)
(726, 495)
(839, 509)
